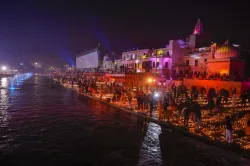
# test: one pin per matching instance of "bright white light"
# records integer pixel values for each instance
(138, 71)
(157, 94)
(4, 68)
(136, 61)
(36, 63)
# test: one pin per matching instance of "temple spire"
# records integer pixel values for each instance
(198, 28)
(227, 42)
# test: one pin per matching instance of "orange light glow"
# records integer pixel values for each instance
(224, 72)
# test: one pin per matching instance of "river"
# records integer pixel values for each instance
(41, 125)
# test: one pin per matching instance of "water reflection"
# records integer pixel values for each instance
(150, 153)
(4, 82)
(4, 102)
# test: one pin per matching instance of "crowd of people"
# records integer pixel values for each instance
(211, 76)
(177, 105)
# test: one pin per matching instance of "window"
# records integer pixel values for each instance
(205, 60)
(159, 52)
(135, 65)
(187, 62)
(196, 62)
(157, 64)
(153, 64)
(166, 65)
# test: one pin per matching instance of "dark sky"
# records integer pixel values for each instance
(52, 32)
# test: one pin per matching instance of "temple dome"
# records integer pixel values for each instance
(226, 51)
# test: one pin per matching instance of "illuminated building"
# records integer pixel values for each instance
(111, 62)
(226, 60)
(89, 60)
(157, 61)
(194, 58)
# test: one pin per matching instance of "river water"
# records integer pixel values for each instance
(42, 125)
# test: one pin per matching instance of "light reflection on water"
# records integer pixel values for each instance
(4, 103)
(150, 153)
(4, 82)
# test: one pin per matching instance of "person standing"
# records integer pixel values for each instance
(218, 103)
(234, 91)
(247, 128)
(197, 110)
(130, 101)
(151, 105)
(145, 101)
(186, 115)
(234, 100)
(165, 107)
(160, 108)
(229, 129)
(243, 99)
(139, 102)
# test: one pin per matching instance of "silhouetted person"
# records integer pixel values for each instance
(229, 129)
(210, 105)
(234, 91)
(151, 106)
(243, 99)
(186, 116)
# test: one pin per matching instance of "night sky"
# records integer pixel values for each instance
(53, 32)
